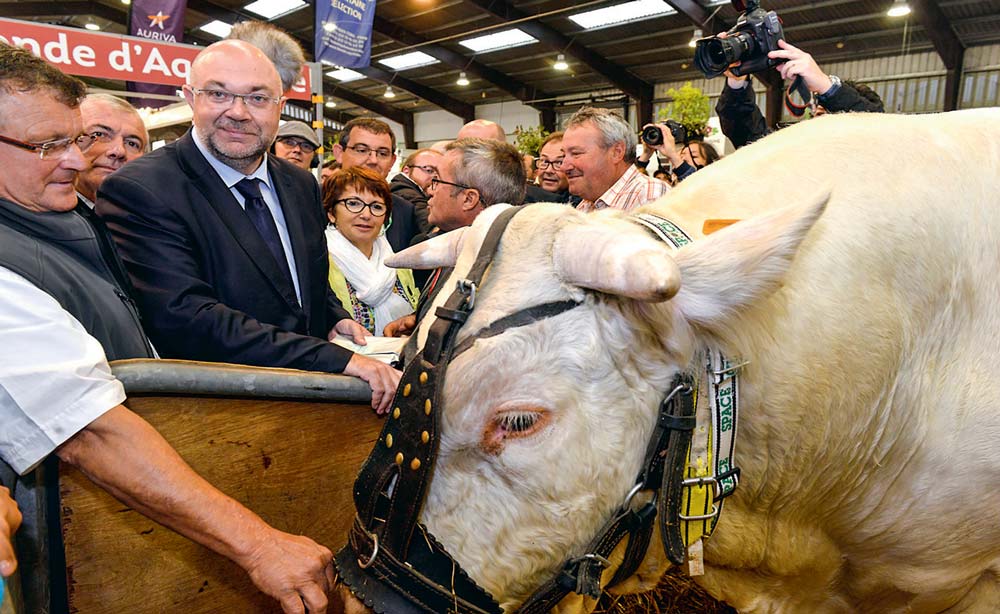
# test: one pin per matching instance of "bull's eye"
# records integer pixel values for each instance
(523, 422)
(516, 422)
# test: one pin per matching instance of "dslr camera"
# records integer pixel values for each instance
(756, 33)
(653, 136)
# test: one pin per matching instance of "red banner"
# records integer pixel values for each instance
(113, 56)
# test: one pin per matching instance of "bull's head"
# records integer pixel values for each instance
(544, 426)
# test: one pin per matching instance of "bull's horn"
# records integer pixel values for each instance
(624, 262)
(440, 251)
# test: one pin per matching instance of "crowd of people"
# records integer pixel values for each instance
(223, 246)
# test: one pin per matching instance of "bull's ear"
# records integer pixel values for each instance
(440, 251)
(737, 265)
(615, 257)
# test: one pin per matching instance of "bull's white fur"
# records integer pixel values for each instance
(868, 438)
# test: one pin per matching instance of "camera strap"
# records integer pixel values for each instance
(798, 86)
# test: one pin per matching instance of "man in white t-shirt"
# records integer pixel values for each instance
(57, 308)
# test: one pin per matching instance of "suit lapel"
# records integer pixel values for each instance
(225, 205)
(289, 199)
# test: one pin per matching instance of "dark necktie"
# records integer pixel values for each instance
(263, 221)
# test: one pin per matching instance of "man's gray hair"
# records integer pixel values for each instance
(493, 168)
(122, 105)
(283, 50)
(611, 125)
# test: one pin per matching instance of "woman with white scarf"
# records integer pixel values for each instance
(358, 204)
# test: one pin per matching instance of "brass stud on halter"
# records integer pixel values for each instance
(427, 407)
(399, 458)
(388, 440)
(415, 464)
(425, 437)
(423, 377)
(395, 413)
(406, 390)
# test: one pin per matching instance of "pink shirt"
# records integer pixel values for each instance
(632, 190)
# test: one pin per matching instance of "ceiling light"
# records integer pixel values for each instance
(560, 62)
(90, 25)
(329, 26)
(498, 40)
(345, 74)
(409, 60)
(694, 37)
(218, 28)
(684, 65)
(126, 1)
(462, 79)
(269, 9)
(330, 104)
(388, 92)
(622, 13)
(840, 44)
(898, 9)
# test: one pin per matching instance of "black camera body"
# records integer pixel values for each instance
(756, 33)
(653, 136)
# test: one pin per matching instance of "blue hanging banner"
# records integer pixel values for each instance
(344, 32)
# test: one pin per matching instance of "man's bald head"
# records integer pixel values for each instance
(482, 129)
(220, 57)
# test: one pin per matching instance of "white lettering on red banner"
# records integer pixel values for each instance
(112, 56)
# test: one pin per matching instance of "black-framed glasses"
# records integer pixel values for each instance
(52, 149)
(437, 181)
(543, 164)
(356, 205)
(223, 98)
(292, 142)
(132, 144)
(430, 170)
(364, 150)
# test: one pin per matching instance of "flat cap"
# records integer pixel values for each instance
(299, 129)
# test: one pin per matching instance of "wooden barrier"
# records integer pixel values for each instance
(286, 444)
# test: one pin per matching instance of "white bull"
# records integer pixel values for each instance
(870, 424)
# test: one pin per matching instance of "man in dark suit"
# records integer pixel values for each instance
(370, 142)
(413, 181)
(225, 244)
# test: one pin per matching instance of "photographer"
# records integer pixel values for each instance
(676, 153)
(741, 119)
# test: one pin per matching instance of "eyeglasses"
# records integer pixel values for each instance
(544, 163)
(52, 149)
(133, 145)
(364, 150)
(356, 205)
(292, 142)
(436, 182)
(430, 170)
(222, 98)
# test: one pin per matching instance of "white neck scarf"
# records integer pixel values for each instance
(373, 282)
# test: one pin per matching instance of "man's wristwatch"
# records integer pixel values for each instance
(834, 88)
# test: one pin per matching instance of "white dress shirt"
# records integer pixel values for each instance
(54, 377)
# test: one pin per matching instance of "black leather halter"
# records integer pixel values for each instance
(394, 565)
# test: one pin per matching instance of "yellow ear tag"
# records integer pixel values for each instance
(711, 226)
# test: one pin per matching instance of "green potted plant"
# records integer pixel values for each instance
(529, 140)
(690, 107)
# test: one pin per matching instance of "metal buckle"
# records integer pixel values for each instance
(709, 516)
(723, 374)
(467, 288)
(702, 481)
(371, 559)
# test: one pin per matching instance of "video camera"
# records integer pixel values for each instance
(756, 33)
(653, 136)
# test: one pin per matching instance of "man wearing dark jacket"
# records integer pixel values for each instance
(741, 119)
(225, 244)
(413, 182)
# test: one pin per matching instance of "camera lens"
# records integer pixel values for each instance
(652, 136)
